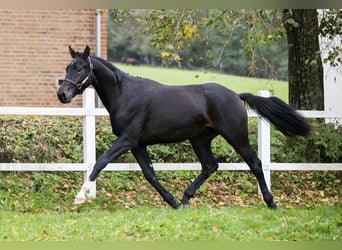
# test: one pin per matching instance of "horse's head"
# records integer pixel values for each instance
(78, 75)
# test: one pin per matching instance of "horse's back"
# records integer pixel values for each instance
(207, 100)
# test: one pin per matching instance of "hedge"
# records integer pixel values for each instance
(43, 139)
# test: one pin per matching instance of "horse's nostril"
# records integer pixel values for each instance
(62, 96)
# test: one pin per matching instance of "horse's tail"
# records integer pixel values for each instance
(284, 117)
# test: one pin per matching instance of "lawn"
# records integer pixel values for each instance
(147, 223)
(177, 76)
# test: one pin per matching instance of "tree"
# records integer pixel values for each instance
(329, 28)
(124, 39)
(209, 33)
(305, 69)
(224, 40)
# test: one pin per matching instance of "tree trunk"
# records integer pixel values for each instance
(305, 70)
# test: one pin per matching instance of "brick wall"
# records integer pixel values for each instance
(34, 52)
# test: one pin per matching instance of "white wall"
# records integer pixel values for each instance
(332, 79)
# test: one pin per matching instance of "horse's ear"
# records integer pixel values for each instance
(72, 52)
(86, 52)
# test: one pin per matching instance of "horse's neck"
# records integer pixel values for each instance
(107, 84)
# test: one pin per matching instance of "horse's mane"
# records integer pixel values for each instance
(109, 65)
(116, 70)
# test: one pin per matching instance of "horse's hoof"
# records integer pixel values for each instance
(183, 206)
(179, 207)
(79, 201)
(273, 206)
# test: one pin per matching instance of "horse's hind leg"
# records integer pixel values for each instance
(145, 163)
(201, 146)
(241, 144)
(255, 165)
(233, 127)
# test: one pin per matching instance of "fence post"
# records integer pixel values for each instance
(264, 144)
(89, 149)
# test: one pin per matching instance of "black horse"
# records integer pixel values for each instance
(144, 112)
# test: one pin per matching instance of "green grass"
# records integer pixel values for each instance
(179, 76)
(153, 224)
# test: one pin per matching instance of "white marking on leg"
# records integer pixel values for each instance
(81, 196)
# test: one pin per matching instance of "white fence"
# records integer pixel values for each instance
(89, 156)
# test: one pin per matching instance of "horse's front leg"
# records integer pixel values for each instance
(119, 147)
(145, 163)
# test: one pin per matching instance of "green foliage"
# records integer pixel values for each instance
(331, 27)
(59, 139)
(124, 39)
(324, 144)
(40, 139)
(35, 191)
(241, 42)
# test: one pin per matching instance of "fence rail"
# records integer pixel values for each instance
(89, 112)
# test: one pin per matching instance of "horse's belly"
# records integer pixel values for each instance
(171, 132)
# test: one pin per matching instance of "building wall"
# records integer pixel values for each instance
(34, 52)
(332, 77)
(332, 87)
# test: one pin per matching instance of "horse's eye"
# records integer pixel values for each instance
(80, 68)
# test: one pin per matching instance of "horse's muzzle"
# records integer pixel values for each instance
(63, 97)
